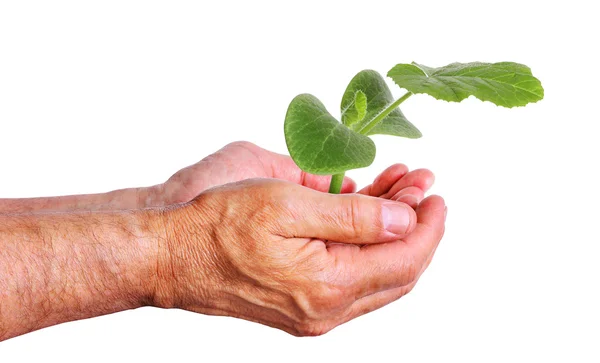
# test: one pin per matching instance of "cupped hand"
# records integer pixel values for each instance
(237, 161)
(259, 250)
(243, 160)
(399, 184)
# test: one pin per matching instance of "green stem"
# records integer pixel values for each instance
(365, 129)
(335, 187)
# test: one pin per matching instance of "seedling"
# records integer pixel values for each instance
(320, 144)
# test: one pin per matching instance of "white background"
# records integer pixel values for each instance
(96, 96)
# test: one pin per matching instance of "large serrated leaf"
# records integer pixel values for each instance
(320, 144)
(506, 84)
(379, 97)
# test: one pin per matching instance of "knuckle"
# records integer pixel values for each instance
(321, 299)
(312, 329)
(336, 290)
(265, 203)
(354, 211)
(333, 298)
(241, 143)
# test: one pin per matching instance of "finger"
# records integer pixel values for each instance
(348, 218)
(376, 301)
(348, 186)
(380, 299)
(410, 195)
(321, 183)
(283, 167)
(421, 178)
(431, 216)
(384, 181)
(379, 267)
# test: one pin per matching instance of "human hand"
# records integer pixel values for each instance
(236, 161)
(243, 160)
(259, 250)
(397, 183)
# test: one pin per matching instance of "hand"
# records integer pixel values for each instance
(397, 183)
(257, 250)
(236, 161)
(244, 160)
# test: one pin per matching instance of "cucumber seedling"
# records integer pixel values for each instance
(320, 144)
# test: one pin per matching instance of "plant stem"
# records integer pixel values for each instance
(335, 187)
(365, 129)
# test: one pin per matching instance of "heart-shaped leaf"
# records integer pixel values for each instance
(320, 144)
(379, 97)
(506, 84)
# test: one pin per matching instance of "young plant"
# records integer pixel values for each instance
(320, 144)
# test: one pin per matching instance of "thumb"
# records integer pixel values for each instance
(350, 218)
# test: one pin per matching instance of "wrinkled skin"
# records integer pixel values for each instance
(243, 233)
(291, 257)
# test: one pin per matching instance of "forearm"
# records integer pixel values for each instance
(61, 267)
(123, 199)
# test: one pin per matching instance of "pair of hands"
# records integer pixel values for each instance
(256, 238)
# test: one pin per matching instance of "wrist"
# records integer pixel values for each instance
(136, 261)
(185, 258)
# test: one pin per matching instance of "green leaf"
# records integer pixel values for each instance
(379, 97)
(360, 103)
(320, 144)
(506, 84)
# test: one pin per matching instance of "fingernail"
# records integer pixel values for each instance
(396, 218)
(445, 212)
